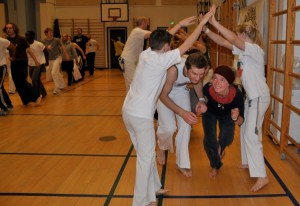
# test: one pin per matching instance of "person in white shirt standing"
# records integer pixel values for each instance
(40, 52)
(91, 48)
(140, 102)
(133, 47)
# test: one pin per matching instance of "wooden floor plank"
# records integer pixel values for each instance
(74, 150)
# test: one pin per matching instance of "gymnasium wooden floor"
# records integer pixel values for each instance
(74, 150)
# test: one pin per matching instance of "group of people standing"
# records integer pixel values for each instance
(29, 56)
(160, 77)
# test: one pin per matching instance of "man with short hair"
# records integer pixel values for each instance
(81, 40)
(133, 47)
(54, 47)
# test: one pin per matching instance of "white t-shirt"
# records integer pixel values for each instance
(180, 84)
(253, 75)
(92, 44)
(134, 45)
(148, 81)
(37, 48)
(4, 43)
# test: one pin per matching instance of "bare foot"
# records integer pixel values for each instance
(243, 166)
(161, 157)
(185, 171)
(38, 100)
(213, 173)
(260, 183)
(161, 191)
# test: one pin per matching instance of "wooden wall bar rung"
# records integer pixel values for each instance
(279, 13)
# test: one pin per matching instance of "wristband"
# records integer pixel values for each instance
(202, 99)
(207, 30)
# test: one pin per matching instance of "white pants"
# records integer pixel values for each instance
(167, 127)
(147, 180)
(251, 136)
(129, 70)
(11, 84)
(54, 68)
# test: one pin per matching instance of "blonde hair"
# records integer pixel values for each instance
(251, 32)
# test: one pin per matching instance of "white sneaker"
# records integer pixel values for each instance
(55, 91)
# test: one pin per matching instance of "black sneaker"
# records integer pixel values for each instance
(3, 113)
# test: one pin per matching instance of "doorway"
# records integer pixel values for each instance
(121, 33)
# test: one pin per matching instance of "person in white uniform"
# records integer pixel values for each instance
(140, 102)
(174, 108)
(248, 45)
(5, 102)
(133, 47)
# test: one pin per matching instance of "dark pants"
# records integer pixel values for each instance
(90, 60)
(82, 70)
(211, 142)
(5, 101)
(68, 67)
(35, 75)
(19, 72)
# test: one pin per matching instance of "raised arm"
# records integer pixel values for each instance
(228, 35)
(183, 23)
(218, 39)
(193, 37)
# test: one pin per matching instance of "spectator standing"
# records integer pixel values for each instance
(119, 46)
(91, 48)
(81, 40)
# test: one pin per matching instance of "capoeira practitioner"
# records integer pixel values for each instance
(174, 105)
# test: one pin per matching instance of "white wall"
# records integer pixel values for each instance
(159, 15)
(47, 16)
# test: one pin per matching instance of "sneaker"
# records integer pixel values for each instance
(3, 113)
(55, 91)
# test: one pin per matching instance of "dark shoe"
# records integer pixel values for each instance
(3, 113)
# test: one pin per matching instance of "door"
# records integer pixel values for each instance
(121, 33)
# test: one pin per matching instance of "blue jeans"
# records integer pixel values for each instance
(211, 142)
